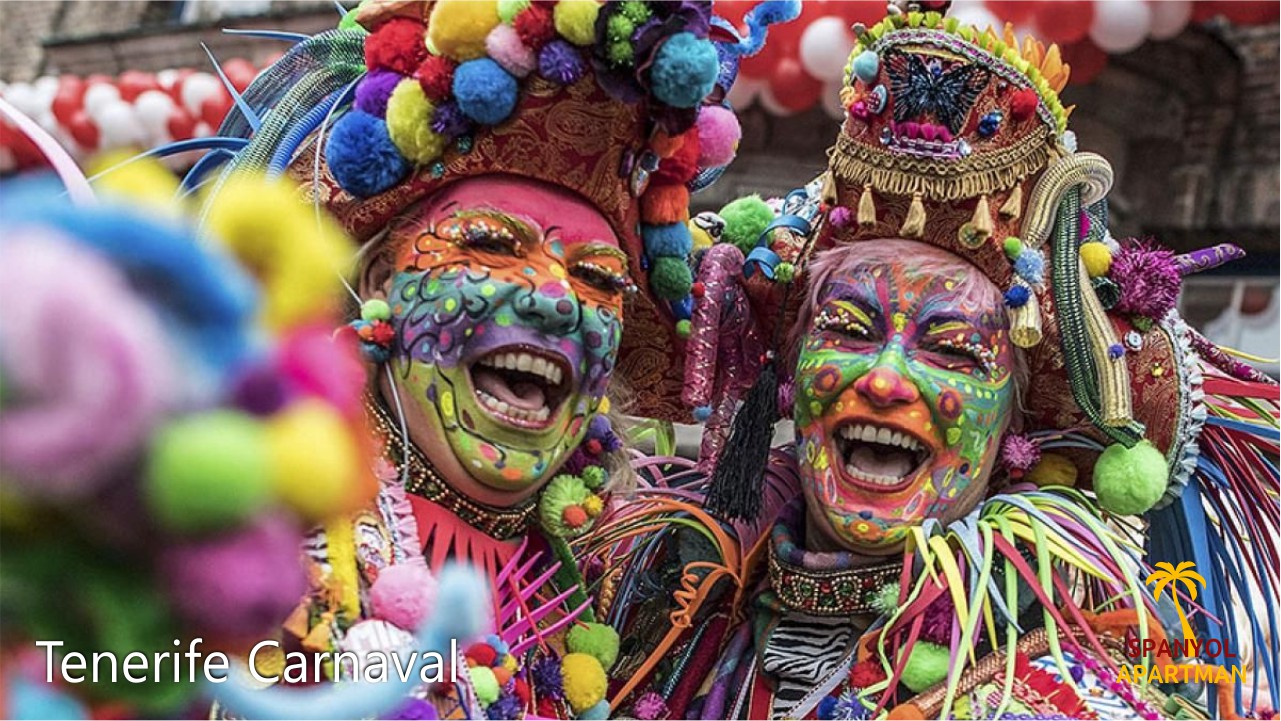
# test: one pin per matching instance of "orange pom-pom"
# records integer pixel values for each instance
(906, 711)
(664, 145)
(665, 204)
(574, 516)
(502, 675)
(682, 165)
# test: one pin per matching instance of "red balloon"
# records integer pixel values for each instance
(215, 108)
(1086, 59)
(181, 125)
(1248, 12)
(1065, 21)
(99, 78)
(133, 83)
(1013, 11)
(792, 87)
(69, 98)
(240, 72)
(25, 153)
(868, 12)
(83, 130)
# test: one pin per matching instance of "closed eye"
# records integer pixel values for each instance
(599, 276)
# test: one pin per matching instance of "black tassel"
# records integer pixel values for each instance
(737, 482)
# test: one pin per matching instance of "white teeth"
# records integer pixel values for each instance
(874, 434)
(526, 363)
(883, 436)
(896, 439)
(872, 477)
(538, 366)
(869, 434)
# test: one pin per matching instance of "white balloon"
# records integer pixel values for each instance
(23, 97)
(1169, 17)
(118, 127)
(1120, 26)
(166, 78)
(98, 97)
(744, 92)
(973, 12)
(825, 48)
(832, 99)
(46, 87)
(153, 108)
(197, 88)
(767, 101)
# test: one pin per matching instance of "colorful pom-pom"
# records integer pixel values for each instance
(535, 26)
(561, 62)
(362, 156)
(1030, 266)
(208, 471)
(584, 681)
(1149, 280)
(637, 11)
(396, 45)
(1023, 104)
(719, 133)
(1019, 453)
(840, 217)
(409, 114)
(575, 20)
(826, 708)
(785, 272)
(402, 594)
(1012, 247)
(481, 654)
(436, 75)
(315, 461)
(684, 328)
(565, 492)
(673, 239)
(574, 517)
(507, 49)
(649, 707)
(745, 220)
(867, 66)
(373, 91)
(508, 9)
(927, 664)
(598, 712)
(702, 413)
(1097, 258)
(866, 673)
(485, 684)
(1017, 296)
(667, 203)
(413, 709)
(684, 71)
(670, 277)
(594, 639)
(1053, 470)
(449, 121)
(1129, 481)
(458, 27)
(594, 477)
(485, 92)
(1115, 351)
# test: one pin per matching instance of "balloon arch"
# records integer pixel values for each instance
(800, 67)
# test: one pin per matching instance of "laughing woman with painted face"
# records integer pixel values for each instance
(518, 176)
(1008, 446)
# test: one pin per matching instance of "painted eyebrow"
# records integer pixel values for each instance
(587, 250)
(526, 230)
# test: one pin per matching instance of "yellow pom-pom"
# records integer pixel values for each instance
(603, 406)
(1053, 470)
(593, 505)
(1097, 258)
(409, 123)
(584, 681)
(147, 182)
(276, 235)
(314, 459)
(458, 27)
(509, 663)
(576, 20)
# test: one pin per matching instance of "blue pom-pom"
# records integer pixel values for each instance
(497, 643)
(672, 239)
(867, 66)
(1017, 296)
(683, 309)
(685, 70)
(702, 413)
(485, 92)
(1116, 350)
(1030, 266)
(561, 63)
(826, 708)
(362, 157)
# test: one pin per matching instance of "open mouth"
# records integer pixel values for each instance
(879, 458)
(521, 386)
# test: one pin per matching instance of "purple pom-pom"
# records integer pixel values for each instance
(840, 217)
(416, 709)
(1149, 280)
(545, 673)
(1116, 350)
(1017, 296)
(506, 707)
(577, 461)
(600, 427)
(649, 706)
(1019, 453)
(373, 91)
(449, 120)
(826, 708)
(561, 63)
(260, 390)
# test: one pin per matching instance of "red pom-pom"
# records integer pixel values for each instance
(383, 333)
(522, 691)
(698, 290)
(866, 673)
(400, 45)
(482, 654)
(535, 26)
(594, 446)
(1023, 104)
(574, 516)
(547, 707)
(682, 165)
(436, 75)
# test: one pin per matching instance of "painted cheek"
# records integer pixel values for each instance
(822, 376)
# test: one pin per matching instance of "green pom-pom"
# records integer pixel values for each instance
(620, 27)
(1129, 481)
(565, 491)
(594, 477)
(785, 272)
(1141, 323)
(670, 278)
(485, 684)
(636, 11)
(1013, 246)
(208, 472)
(509, 9)
(885, 600)
(684, 328)
(926, 666)
(620, 52)
(745, 220)
(596, 640)
(375, 309)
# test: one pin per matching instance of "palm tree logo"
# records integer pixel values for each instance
(1168, 575)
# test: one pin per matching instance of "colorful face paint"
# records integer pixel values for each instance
(903, 388)
(507, 334)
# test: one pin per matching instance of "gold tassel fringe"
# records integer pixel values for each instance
(914, 223)
(866, 208)
(982, 219)
(1025, 321)
(828, 191)
(1013, 205)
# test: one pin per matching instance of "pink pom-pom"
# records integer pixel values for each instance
(718, 136)
(317, 363)
(403, 594)
(1149, 280)
(1019, 453)
(506, 48)
(241, 584)
(840, 217)
(650, 706)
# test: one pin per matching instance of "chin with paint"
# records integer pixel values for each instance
(904, 384)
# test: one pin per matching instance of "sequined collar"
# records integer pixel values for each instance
(424, 481)
(822, 584)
